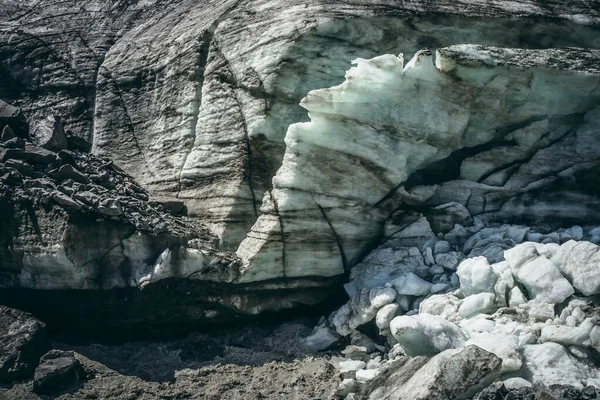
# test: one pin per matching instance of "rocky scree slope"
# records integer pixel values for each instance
(256, 360)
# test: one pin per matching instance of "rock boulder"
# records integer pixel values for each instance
(23, 341)
(453, 374)
(58, 370)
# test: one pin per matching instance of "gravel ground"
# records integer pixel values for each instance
(252, 362)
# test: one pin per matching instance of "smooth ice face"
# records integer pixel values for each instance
(479, 303)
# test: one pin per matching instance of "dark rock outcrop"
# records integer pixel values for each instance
(12, 122)
(23, 341)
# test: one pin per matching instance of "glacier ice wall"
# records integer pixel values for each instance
(343, 172)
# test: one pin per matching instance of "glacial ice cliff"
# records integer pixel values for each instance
(447, 183)
(510, 109)
(193, 101)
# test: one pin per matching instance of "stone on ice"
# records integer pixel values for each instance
(504, 346)
(453, 374)
(425, 334)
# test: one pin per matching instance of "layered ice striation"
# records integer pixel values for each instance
(343, 172)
